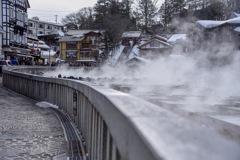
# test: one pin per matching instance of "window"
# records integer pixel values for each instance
(30, 24)
(154, 44)
(11, 13)
(85, 45)
(40, 25)
(71, 45)
(71, 53)
(85, 54)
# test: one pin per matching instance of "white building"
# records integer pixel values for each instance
(14, 24)
(1, 33)
(40, 28)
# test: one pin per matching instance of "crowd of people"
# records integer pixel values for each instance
(26, 61)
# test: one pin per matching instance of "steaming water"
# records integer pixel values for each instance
(176, 75)
(202, 83)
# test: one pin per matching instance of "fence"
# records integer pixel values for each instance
(117, 126)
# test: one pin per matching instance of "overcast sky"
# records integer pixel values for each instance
(48, 10)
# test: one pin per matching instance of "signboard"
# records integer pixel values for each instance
(75, 103)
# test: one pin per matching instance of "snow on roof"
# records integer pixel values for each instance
(236, 14)
(209, 24)
(159, 38)
(237, 29)
(80, 32)
(138, 58)
(165, 43)
(43, 46)
(212, 24)
(74, 38)
(58, 32)
(132, 34)
(116, 54)
(176, 37)
(134, 52)
(46, 53)
(40, 45)
(234, 21)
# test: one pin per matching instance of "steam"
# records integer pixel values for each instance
(208, 76)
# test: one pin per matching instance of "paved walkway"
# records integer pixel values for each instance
(28, 132)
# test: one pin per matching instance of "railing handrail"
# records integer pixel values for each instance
(140, 130)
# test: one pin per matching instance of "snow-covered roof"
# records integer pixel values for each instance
(160, 38)
(46, 53)
(115, 54)
(208, 24)
(40, 45)
(134, 52)
(43, 46)
(132, 34)
(165, 43)
(236, 14)
(138, 58)
(74, 38)
(45, 22)
(177, 37)
(237, 29)
(80, 32)
(58, 32)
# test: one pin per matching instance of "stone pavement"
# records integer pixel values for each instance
(28, 132)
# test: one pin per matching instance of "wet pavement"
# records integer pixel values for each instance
(27, 131)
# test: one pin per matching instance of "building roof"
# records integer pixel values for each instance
(115, 54)
(31, 37)
(165, 43)
(27, 3)
(132, 34)
(209, 24)
(50, 23)
(237, 29)
(160, 38)
(177, 37)
(137, 58)
(74, 38)
(48, 53)
(81, 32)
(234, 14)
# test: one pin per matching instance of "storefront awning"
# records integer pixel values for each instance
(22, 55)
(6, 49)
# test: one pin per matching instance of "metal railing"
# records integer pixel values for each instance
(117, 126)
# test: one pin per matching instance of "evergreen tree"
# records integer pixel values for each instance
(172, 9)
(101, 9)
(146, 11)
(114, 17)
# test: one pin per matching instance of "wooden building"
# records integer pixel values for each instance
(81, 48)
(133, 37)
(154, 47)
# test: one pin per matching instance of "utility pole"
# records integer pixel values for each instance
(56, 18)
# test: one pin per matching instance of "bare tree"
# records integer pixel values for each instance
(83, 18)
